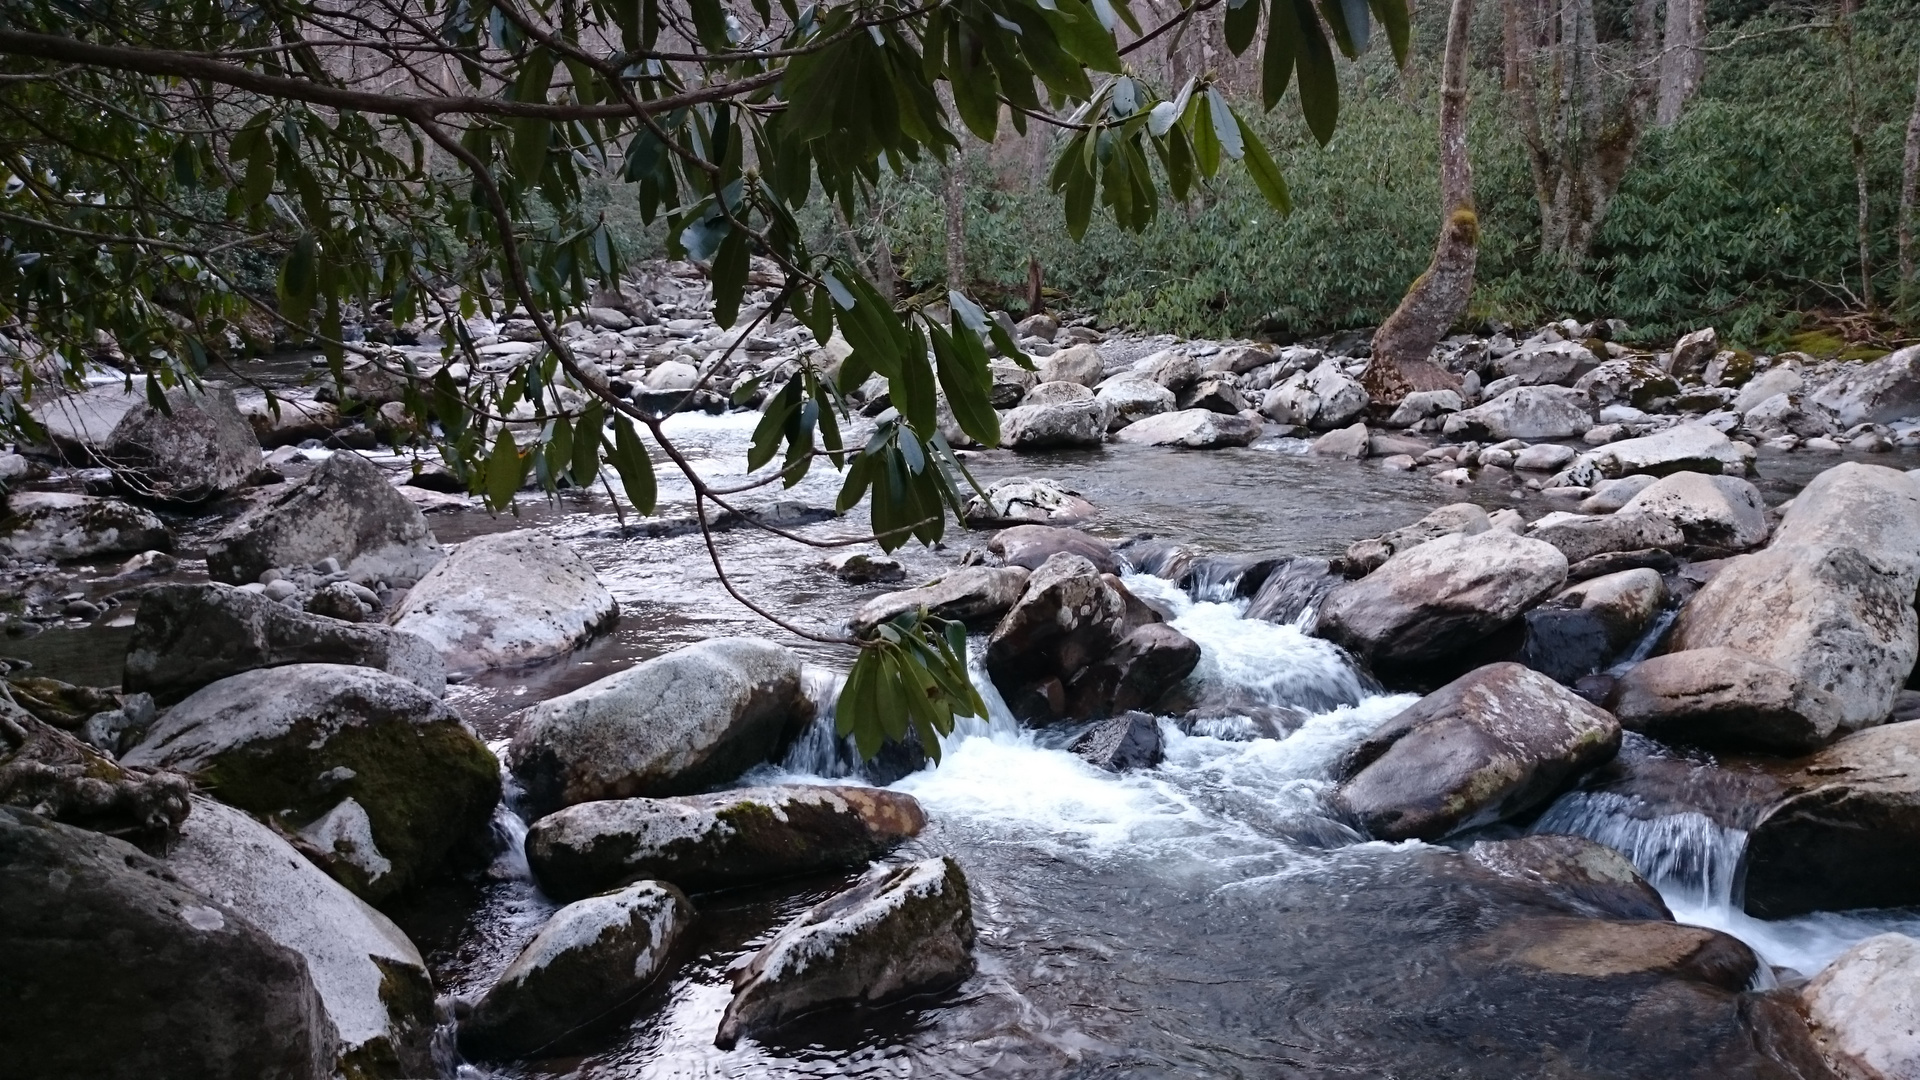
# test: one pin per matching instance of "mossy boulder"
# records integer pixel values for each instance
(717, 841)
(381, 781)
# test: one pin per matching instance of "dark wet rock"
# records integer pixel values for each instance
(1021, 500)
(200, 448)
(52, 773)
(1147, 662)
(507, 599)
(342, 601)
(1874, 393)
(1526, 412)
(1161, 558)
(54, 526)
(593, 955)
(1130, 740)
(1862, 1010)
(344, 510)
(116, 969)
(1055, 426)
(1847, 833)
(1721, 512)
(1494, 743)
(1626, 382)
(381, 780)
(977, 596)
(1292, 589)
(1463, 518)
(1626, 603)
(717, 841)
(1069, 616)
(187, 636)
(1606, 949)
(1191, 429)
(1228, 577)
(1659, 560)
(673, 725)
(1581, 537)
(1591, 878)
(1565, 643)
(1031, 546)
(1647, 781)
(1693, 352)
(901, 931)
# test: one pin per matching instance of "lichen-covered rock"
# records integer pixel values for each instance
(903, 930)
(1864, 1010)
(717, 841)
(1695, 447)
(1054, 426)
(1030, 546)
(1580, 537)
(1075, 364)
(1024, 500)
(53, 774)
(676, 724)
(1627, 382)
(1526, 412)
(976, 596)
(1693, 352)
(1724, 512)
(1871, 508)
(199, 448)
(1057, 392)
(1323, 398)
(371, 980)
(1191, 429)
(507, 599)
(1591, 878)
(57, 526)
(344, 510)
(298, 744)
(1884, 390)
(187, 636)
(1492, 744)
(590, 957)
(1464, 518)
(1068, 616)
(116, 969)
(1131, 397)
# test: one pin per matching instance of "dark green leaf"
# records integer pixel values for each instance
(1393, 16)
(1276, 60)
(1266, 175)
(1242, 22)
(630, 460)
(506, 471)
(729, 274)
(584, 467)
(1319, 83)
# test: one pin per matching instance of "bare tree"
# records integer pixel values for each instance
(1909, 180)
(1682, 62)
(1863, 227)
(953, 187)
(1403, 346)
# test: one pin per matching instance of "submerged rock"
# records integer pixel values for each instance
(57, 527)
(117, 969)
(507, 599)
(1489, 745)
(673, 725)
(384, 779)
(201, 447)
(1864, 1010)
(593, 955)
(1591, 878)
(976, 596)
(717, 841)
(345, 510)
(902, 931)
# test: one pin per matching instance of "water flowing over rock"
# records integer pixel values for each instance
(1434, 602)
(1463, 518)
(1019, 500)
(1864, 1010)
(116, 969)
(372, 982)
(1694, 447)
(1049, 427)
(507, 599)
(1492, 744)
(1526, 412)
(590, 957)
(1130, 740)
(200, 448)
(297, 744)
(1191, 429)
(902, 931)
(673, 725)
(1723, 512)
(1580, 537)
(977, 596)
(345, 510)
(1885, 390)
(187, 636)
(1591, 878)
(717, 841)
(57, 526)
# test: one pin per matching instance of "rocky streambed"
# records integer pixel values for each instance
(1591, 760)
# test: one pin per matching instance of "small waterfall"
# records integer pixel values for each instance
(1644, 647)
(1693, 860)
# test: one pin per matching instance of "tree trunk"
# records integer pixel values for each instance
(1909, 181)
(1863, 225)
(1403, 346)
(1681, 61)
(954, 187)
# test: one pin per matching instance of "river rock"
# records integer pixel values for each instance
(1463, 518)
(117, 969)
(1590, 878)
(1069, 615)
(1049, 427)
(1078, 364)
(1885, 390)
(717, 841)
(1030, 546)
(1350, 443)
(1218, 395)
(344, 510)
(1058, 393)
(591, 957)
(1721, 698)
(50, 772)
(1434, 602)
(1192, 429)
(1864, 1010)
(56, 527)
(1010, 383)
(186, 636)
(1868, 507)
(1628, 382)
(79, 425)
(977, 596)
(1026, 500)
(1422, 404)
(901, 931)
(1625, 603)
(1694, 447)
(675, 724)
(1581, 537)
(387, 780)
(1692, 353)
(506, 599)
(1526, 412)
(1544, 457)
(200, 448)
(1847, 834)
(1174, 369)
(1610, 495)
(1536, 364)
(1323, 398)
(1131, 397)
(1490, 745)
(1599, 950)
(1724, 512)
(1773, 382)
(1148, 661)
(1122, 743)
(372, 982)
(293, 418)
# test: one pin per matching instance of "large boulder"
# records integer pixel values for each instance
(1076, 364)
(507, 599)
(1463, 518)
(1722, 698)
(381, 781)
(1868, 507)
(1847, 833)
(1490, 745)
(344, 510)
(593, 955)
(199, 448)
(1864, 1010)
(1723, 512)
(717, 841)
(1055, 426)
(1625, 604)
(1120, 743)
(1526, 412)
(1069, 616)
(1323, 398)
(1692, 353)
(1580, 537)
(900, 932)
(1773, 383)
(977, 596)
(1695, 447)
(56, 526)
(1191, 429)
(1540, 363)
(79, 425)
(1431, 603)
(372, 982)
(1875, 393)
(1626, 382)
(1129, 397)
(117, 969)
(673, 725)
(186, 636)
